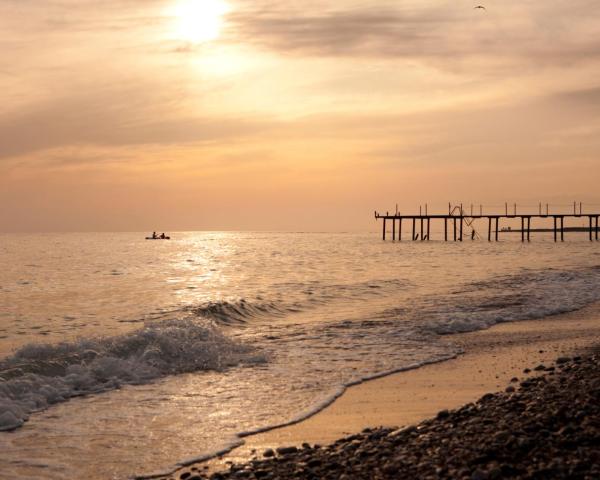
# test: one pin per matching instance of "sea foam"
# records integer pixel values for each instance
(39, 375)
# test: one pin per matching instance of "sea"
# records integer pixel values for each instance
(123, 357)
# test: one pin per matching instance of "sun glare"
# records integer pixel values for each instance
(198, 21)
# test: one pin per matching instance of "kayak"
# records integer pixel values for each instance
(158, 238)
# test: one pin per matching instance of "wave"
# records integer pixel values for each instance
(531, 294)
(238, 311)
(305, 296)
(39, 375)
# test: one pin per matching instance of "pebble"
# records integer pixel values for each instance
(286, 450)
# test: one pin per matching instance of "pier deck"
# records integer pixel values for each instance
(459, 220)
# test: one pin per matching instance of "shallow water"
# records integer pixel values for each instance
(168, 350)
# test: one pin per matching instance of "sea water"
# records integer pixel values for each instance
(122, 357)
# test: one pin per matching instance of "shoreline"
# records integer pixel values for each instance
(545, 426)
(491, 358)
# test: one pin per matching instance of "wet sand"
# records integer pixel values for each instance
(491, 359)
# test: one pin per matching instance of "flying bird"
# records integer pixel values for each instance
(480, 6)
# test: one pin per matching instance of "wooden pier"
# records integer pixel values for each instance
(459, 219)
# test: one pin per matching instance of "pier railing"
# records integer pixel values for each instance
(462, 218)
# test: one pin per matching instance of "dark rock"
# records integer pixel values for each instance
(268, 453)
(479, 475)
(286, 450)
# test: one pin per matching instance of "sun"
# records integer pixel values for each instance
(198, 21)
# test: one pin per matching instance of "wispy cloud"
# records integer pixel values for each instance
(519, 31)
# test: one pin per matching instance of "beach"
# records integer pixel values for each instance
(498, 359)
(179, 351)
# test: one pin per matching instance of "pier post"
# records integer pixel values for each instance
(590, 228)
(414, 229)
(522, 229)
(489, 229)
(528, 227)
(562, 229)
(454, 219)
(400, 229)
(428, 228)
(461, 225)
(554, 229)
(384, 229)
(445, 229)
(394, 229)
(421, 228)
(596, 228)
(497, 222)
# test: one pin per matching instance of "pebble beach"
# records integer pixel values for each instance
(545, 424)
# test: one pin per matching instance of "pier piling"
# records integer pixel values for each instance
(461, 220)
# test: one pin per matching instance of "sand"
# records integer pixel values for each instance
(490, 360)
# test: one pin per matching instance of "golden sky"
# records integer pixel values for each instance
(288, 114)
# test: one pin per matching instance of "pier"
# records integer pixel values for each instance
(457, 220)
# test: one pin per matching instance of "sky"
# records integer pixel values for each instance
(142, 115)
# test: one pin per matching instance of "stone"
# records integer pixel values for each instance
(286, 450)
(268, 453)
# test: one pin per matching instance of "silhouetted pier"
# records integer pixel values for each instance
(459, 220)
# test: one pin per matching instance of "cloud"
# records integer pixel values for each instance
(117, 116)
(436, 31)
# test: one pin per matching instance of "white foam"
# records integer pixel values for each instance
(39, 375)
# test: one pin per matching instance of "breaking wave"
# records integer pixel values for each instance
(39, 375)
(305, 296)
(531, 294)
